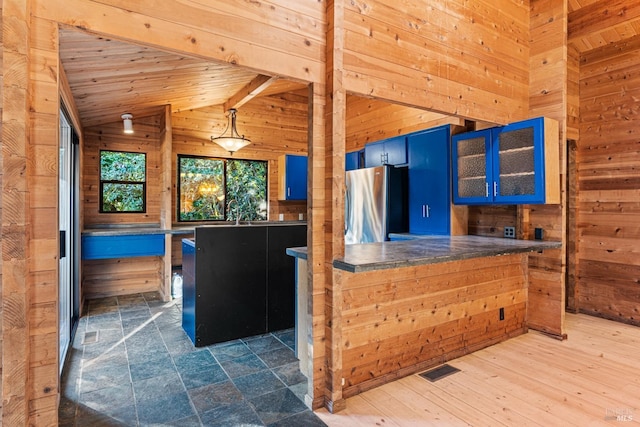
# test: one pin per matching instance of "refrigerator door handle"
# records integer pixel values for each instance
(347, 210)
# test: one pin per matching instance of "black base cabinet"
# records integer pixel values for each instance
(243, 282)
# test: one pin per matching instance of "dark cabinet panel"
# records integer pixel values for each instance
(231, 287)
(281, 290)
(239, 282)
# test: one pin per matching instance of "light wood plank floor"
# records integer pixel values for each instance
(590, 379)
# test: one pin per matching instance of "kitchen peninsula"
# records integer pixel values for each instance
(409, 305)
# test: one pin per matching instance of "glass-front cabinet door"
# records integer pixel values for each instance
(514, 164)
(519, 157)
(472, 165)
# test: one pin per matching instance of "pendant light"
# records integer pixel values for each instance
(233, 141)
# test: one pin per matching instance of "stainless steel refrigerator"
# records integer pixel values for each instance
(375, 204)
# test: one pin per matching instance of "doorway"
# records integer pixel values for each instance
(68, 202)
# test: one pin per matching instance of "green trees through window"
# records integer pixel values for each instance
(122, 181)
(221, 189)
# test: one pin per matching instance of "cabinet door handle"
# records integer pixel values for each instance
(427, 211)
(423, 211)
(495, 189)
(486, 189)
(288, 191)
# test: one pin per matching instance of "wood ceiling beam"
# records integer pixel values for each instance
(601, 16)
(250, 91)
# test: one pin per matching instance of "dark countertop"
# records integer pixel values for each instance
(129, 229)
(427, 250)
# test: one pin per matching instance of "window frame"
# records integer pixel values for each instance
(119, 182)
(224, 183)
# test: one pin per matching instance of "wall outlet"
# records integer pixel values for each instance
(539, 233)
(510, 232)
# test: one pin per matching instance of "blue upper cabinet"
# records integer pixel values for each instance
(392, 151)
(520, 164)
(292, 177)
(472, 166)
(429, 181)
(353, 161)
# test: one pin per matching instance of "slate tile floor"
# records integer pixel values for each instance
(131, 364)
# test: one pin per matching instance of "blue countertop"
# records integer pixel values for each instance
(427, 250)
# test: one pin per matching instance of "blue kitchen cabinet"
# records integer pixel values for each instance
(392, 151)
(429, 181)
(520, 164)
(292, 177)
(96, 246)
(353, 160)
(472, 166)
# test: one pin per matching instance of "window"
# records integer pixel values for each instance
(221, 189)
(122, 181)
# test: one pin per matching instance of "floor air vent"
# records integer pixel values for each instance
(90, 337)
(440, 372)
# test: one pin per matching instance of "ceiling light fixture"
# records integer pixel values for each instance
(234, 141)
(128, 124)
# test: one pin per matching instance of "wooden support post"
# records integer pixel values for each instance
(15, 212)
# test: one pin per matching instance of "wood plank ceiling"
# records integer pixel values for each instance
(109, 78)
(596, 23)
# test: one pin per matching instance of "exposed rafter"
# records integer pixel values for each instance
(250, 91)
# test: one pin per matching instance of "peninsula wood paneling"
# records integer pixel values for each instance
(608, 153)
(469, 59)
(397, 322)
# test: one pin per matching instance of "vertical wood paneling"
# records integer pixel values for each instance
(608, 154)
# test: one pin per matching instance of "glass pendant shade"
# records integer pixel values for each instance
(232, 141)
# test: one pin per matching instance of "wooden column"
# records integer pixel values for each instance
(316, 240)
(15, 212)
(165, 200)
(335, 142)
(547, 97)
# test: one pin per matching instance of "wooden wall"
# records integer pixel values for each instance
(469, 59)
(272, 121)
(268, 37)
(368, 120)
(608, 203)
(398, 322)
(110, 277)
